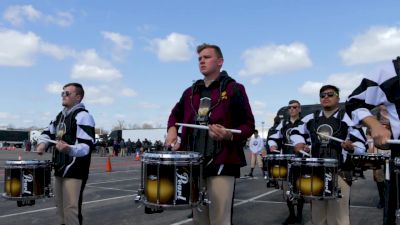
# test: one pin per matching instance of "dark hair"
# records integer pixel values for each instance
(215, 47)
(293, 101)
(78, 88)
(256, 131)
(326, 87)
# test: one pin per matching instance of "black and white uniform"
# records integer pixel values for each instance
(80, 135)
(381, 86)
(280, 137)
(342, 128)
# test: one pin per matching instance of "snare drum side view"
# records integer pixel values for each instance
(314, 178)
(276, 166)
(369, 160)
(25, 181)
(170, 179)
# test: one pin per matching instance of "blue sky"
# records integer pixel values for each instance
(135, 58)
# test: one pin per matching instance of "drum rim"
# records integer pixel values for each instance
(171, 155)
(280, 155)
(26, 162)
(324, 160)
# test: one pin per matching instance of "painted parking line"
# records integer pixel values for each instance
(53, 208)
(236, 204)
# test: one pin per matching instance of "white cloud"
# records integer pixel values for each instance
(175, 47)
(258, 105)
(376, 44)
(147, 105)
(273, 59)
(8, 116)
(99, 95)
(310, 87)
(255, 80)
(54, 87)
(128, 92)
(56, 51)
(18, 49)
(92, 67)
(121, 43)
(17, 14)
(346, 82)
(62, 19)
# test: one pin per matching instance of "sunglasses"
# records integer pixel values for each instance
(65, 93)
(293, 107)
(327, 94)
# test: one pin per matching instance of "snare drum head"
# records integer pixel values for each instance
(28, 163)
(184, 156)
(279, 156)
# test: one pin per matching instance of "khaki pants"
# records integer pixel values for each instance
(332, 212)
(68, 199)
(254, 158)
(220, 193)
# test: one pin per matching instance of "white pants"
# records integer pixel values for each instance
(220, 193)
(67, 193)
(332, 212)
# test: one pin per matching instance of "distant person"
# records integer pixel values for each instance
(123, 148)
(256, 146)
(28, 146)
(74, 131)
(224, 105)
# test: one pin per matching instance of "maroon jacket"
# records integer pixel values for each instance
(232, 111)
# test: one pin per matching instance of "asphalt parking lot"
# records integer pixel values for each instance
(109, 199)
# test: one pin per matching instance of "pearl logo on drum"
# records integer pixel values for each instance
(27, 178)
(181, 181)
(328, 179)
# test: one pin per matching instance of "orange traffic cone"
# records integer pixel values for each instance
(137, 157)
(108, 165)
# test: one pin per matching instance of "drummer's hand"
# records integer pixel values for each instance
(219, 133)
(307, 148)
(62, 146)
(299, 146)
(378, 132)
(40, 148)
(348, 146)
(172, 139)
(273, 148)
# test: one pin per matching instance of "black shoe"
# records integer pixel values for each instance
(380, 205)
(249, 175)
(290, 220)
(190, 215)
(148, 210)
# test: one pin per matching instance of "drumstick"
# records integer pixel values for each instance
(49, 140)
(291, 145)
(334, 138)
(387, 173)
(391, 141)
(304, 153)
(205, 127)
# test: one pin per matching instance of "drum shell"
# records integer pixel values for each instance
(25, 180)
(314, 178)
(171, 179)
(369, 160)
(276, 166)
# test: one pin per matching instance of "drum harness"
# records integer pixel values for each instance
(326, 147)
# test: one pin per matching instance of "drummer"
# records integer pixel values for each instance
(333, 121)
(381, 87)
(73, 128)
(220, 102)
(280, 137)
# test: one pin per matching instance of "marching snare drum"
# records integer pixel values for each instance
(26, 180)
(369, 160)
(276, 166)
(314, 178)
(170, 179)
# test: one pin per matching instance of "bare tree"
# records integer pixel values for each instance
(147, 126)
